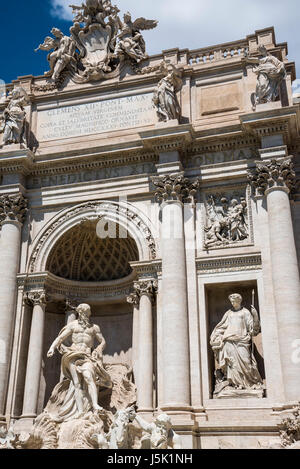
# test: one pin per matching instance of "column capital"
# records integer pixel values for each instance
(13, 207)
(143, 287)
(175, 187)
(38, 297)
(133, 299)
(272, 175)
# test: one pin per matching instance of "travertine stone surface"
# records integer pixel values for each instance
(12, 213)
(275, 180)
(35, 353)
(97, 146)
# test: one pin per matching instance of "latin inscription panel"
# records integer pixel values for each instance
(96, 117)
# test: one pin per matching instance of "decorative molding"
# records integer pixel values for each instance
(272, 174)
(59, 289)
(36, 298)
(13, 207)
(102, 208)
(175, 187)
(229, 264)
(143, 287)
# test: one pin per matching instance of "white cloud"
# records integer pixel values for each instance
(200, 23)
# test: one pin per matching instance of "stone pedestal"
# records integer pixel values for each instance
(12, 213)
(35, 353)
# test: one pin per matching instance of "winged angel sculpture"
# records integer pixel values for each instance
(100, 43)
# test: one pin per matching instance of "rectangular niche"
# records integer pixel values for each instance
(217, 304)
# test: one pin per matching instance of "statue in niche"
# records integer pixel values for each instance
(130, 41)
(14, 118)
(82, 368)
(227, 221)
(63, 54)
(236, 374)
(270, 73)
(159, 434)
(165, 97)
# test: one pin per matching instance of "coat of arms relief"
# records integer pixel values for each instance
(100, 43)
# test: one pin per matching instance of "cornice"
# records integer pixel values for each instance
(229, 264)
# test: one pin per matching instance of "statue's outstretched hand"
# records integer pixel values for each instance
(50, 353)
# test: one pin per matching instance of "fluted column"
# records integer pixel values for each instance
(12, 214)
(35, 354)
(172, 192)
(275, 179)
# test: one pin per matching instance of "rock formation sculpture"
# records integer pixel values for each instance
(236, 373)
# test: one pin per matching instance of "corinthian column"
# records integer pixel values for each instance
(275, 179)
(134, 300)
(35, 354)
(172, 191)
(12, 214)
(145, 290)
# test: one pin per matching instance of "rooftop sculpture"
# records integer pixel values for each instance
(99, 44)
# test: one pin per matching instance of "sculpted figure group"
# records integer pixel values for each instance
(99, 43)
(227, 221)
(93, 405)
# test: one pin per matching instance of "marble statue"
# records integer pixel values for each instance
(236, 373)
(14, 118)
(270, 73)
(226, 221)
(82, 368)
(165, 98)
(98, 46)
(119, 437)
(130, 41)
(63, 54)
(159, 434)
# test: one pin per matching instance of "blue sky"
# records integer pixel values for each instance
(185, 24)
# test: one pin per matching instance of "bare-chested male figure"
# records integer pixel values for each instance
(80, 365)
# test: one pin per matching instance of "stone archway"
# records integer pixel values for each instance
(138, 226)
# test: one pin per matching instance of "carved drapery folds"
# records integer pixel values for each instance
(165, 98)
(273, 174)
(103, 40)
(227, 219)
(175, 187)
(12, 124)
(13, 207)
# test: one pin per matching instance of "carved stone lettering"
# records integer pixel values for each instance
(96, 117)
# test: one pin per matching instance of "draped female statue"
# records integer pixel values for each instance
(236, 374)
